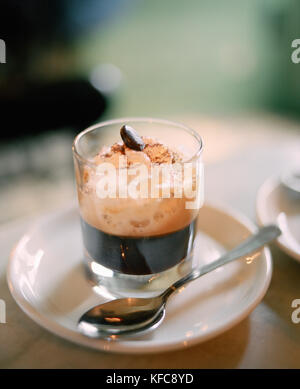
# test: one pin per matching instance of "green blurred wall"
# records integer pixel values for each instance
(201, 56)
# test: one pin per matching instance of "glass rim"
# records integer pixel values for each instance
(133, 119)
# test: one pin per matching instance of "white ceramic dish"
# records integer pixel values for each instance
(46, 278)
(277, 204)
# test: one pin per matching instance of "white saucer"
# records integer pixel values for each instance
(276, 203)
(46, 278)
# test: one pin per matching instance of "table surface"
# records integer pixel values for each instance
(240, 153)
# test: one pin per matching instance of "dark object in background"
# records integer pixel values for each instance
(71, 104)
(29, 28)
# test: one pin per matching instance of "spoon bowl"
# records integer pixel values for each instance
(123, 315)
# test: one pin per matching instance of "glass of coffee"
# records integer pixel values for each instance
(140, 188)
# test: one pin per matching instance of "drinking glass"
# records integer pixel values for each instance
(138, 246)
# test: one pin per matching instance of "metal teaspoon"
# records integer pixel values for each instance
(130, 315)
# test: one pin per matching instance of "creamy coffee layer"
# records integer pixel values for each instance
(136, 217)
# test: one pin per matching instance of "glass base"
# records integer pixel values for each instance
(113, 284)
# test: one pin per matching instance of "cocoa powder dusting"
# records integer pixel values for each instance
(155, 151)
(158, 153)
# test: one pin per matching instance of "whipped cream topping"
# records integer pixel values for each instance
(136, 217)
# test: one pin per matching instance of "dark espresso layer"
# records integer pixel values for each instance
(137, 256)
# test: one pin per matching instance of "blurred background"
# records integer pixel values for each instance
(72, 63)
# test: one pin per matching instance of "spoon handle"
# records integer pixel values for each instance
(254, 242)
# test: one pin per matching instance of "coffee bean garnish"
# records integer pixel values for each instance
(131, 138)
